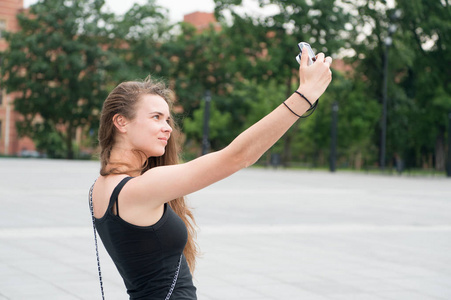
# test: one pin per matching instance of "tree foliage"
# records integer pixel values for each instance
(261, 46)
(425, 28)
(68, 54)
(59, 68)
(419, 94)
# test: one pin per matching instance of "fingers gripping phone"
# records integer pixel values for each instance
(311, 54)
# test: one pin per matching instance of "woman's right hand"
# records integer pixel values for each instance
(314, 79)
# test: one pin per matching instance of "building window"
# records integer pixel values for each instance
(2, 28)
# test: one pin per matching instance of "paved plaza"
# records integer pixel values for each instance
(264, 234)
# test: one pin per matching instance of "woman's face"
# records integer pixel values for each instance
(149, 131)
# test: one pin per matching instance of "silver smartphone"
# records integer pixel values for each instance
(311, 54)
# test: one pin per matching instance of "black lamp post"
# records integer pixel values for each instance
(205, 141)
(333, 137)
(448, 165)
(388, 42)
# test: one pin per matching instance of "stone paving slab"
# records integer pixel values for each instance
(264, 234)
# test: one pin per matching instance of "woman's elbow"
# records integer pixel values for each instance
(240, 160)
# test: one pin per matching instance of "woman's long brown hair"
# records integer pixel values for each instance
(123, 100)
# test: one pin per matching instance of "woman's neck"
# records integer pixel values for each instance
(127, 161)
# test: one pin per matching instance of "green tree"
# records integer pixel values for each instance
(425, 28)
(262, 98)
(418, 60)
(58, 67)
(372, 27)
(199, 65)
(262, 46)
(219, 123)
(140, 40)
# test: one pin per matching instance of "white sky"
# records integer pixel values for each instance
(177, 8)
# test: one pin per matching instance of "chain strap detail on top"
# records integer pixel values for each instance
(174, 281)
(95, 240)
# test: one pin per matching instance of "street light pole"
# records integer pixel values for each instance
(388, 42)
(384, 105)
(205, 141)
(333, 135)
(448, 165)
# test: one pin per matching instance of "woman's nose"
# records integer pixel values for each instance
(167, 128)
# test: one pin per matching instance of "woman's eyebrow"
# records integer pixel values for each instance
(159, 113)
(156, 112)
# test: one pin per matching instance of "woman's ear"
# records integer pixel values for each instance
(120, 123)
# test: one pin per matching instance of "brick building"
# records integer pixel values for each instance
(202, 20)
(10, 143)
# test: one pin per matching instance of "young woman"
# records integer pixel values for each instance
(138, 205)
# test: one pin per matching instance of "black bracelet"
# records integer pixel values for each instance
(302, 117)
(291, 110)
(305, 98)
(311, 110)
(312, 107)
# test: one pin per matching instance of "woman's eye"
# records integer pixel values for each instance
(156, 117)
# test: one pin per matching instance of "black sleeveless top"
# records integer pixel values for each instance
(147, 257)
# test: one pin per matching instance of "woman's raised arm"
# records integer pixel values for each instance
(162, 184)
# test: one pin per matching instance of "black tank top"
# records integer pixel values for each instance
(147, 257)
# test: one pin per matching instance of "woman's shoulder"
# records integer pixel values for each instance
(102, 190)
(108, 183)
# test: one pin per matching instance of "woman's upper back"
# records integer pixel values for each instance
(147, 257)
(134, 212)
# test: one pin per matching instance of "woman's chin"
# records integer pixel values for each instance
(157, 153)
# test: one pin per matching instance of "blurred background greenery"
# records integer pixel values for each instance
(68, 55)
